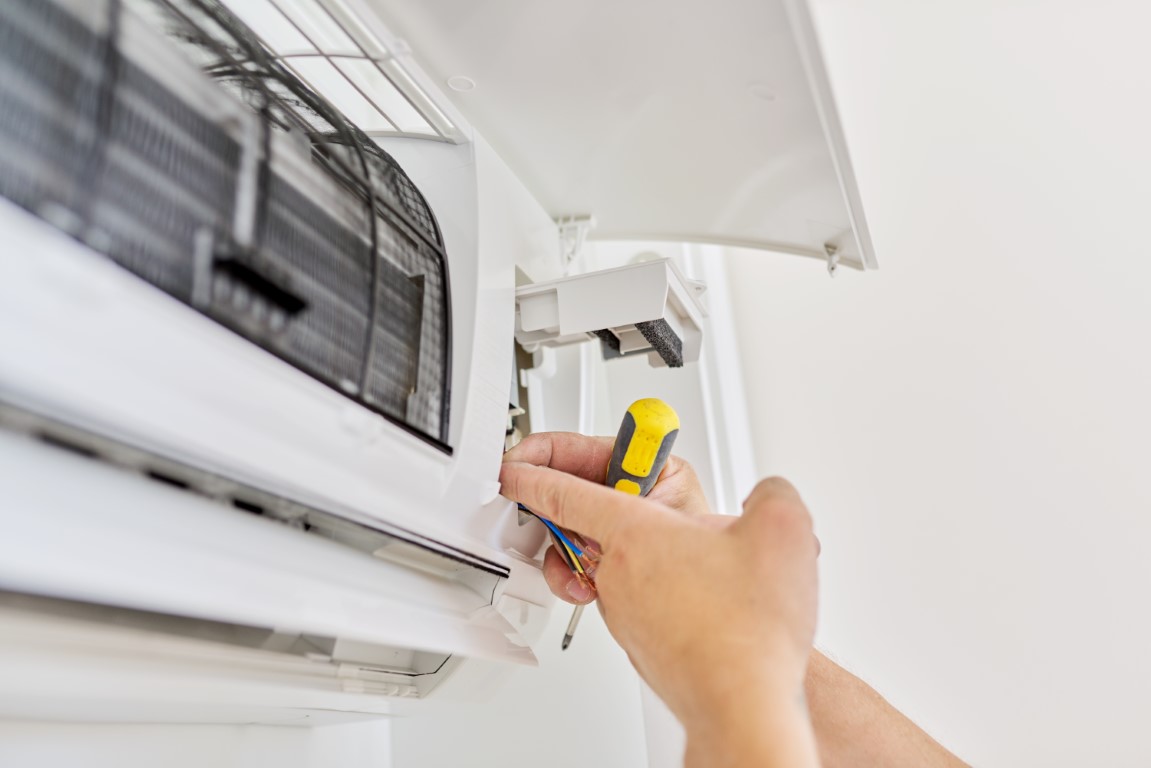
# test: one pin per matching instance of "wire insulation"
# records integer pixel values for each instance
(570, 551)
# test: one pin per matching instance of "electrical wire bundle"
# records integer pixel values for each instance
(579, 555)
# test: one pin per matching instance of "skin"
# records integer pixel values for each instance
(754, 693)
(729, 662)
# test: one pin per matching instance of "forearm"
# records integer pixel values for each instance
(855, 726)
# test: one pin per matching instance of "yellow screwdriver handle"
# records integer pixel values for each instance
(642, 446)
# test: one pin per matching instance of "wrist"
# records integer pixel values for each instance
(753, 731)
(715, 688)
(750, 720)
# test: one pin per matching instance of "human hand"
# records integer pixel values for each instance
(588, 457)
(716, 613)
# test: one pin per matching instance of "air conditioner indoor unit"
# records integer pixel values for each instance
(258, 322)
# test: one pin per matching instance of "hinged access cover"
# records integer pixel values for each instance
(688, 121)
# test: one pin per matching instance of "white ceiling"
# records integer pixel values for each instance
(685, 120)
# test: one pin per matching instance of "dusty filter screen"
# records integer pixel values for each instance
(164, 135)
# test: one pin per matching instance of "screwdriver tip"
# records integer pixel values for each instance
(567, 641)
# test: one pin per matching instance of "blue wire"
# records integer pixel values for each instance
(567, 542)
(555, 529)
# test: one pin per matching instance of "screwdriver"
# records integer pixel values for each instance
(642, 447)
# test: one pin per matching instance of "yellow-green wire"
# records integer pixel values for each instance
(578, 565)
(569, 555)
(562, 542)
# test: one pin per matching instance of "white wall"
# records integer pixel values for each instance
(48, 745)
(970, 425)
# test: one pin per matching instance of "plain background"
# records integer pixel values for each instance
(970, 424)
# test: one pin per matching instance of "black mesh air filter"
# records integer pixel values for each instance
(49, 67)
(331, 268)
(330, 258)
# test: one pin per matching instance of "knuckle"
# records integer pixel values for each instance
(779, 485)
(777, 499)
(771, 488)
(689, 472)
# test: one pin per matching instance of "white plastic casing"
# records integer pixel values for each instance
(84, 342)
(571, 309)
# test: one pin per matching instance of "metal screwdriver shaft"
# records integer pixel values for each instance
(572, 627)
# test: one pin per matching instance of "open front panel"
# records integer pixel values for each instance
(240, 191)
